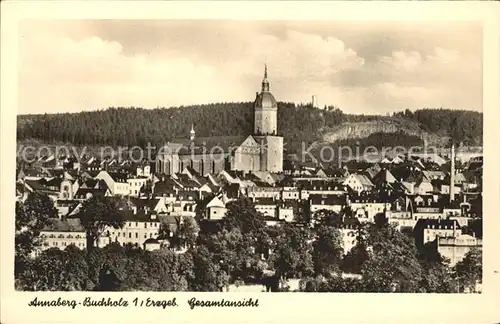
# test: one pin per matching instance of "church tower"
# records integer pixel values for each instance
(266, 129)
(266, 110)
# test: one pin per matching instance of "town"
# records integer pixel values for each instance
(265, 220)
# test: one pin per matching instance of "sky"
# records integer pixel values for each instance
(359, 67)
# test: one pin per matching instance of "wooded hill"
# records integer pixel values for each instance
(137, 126)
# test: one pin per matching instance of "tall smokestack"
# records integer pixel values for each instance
(452, 173)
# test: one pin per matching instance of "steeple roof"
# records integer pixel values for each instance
(265, 82)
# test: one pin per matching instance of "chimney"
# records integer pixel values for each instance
(452, 174)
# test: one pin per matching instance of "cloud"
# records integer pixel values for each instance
(93, 65)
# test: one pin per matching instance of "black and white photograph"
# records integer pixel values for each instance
(247, 156)
(147, 162)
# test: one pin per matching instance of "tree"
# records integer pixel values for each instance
(165, 232)
(328, 218)
(469, 271)
(75, 269)
(436, 278)
(242, 214)
(57, 270)
(327, 250)
(208, 275)
(110, 267)
(97, 214)
(292, 254)
(189, 230)
(235, 253)
(392, 264)
(354, 259)
(32, 216)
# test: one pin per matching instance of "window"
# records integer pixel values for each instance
(136, 235)
(136, 224)
(145, 236)
(129, 235)
(145, 225)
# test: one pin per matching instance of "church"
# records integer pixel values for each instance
(260, 151)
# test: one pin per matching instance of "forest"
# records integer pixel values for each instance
(297, 123)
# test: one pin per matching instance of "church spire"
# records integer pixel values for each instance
(265, 83)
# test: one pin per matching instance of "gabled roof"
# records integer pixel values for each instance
(384, 176)
(166, 186)
(363, 179)
(118, 176)
(145, 203)
(39, 186)
(215, 202)
(373, 170)
(185, 181)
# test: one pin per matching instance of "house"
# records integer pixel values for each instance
(365, 208)
(383, 177)
(40, 186)
(156, 205)
(427, 230)
(143, 170)
(265, 177)
(62, 233)
(139, 226)
(403, 220)
(30, 174)
(151, 244)
(64, 206)
(455, 248)
(68, 188)
(264, 192)
(135, 184)
(286, 212)
(215, 209)
(266, 206)
(423, 186)
(397, 160)
(433, 175)
(358, 183)
(320, 187)
(116, 182)
(333, 203)
(373, 170)
(290, 193)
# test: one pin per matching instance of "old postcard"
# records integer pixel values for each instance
(243, 162)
